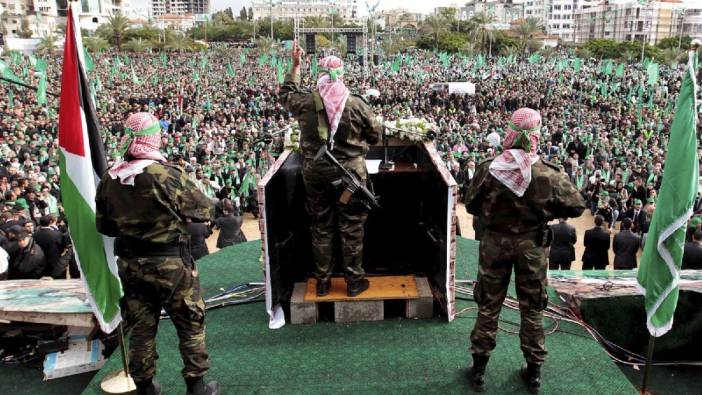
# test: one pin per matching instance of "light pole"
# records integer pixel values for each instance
(681, 19)
(649, 13)
(271, 15)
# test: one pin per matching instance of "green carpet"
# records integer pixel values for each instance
(393, 356)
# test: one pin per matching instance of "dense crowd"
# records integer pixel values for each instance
(607, 129)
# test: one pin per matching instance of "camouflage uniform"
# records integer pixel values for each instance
(157, 272)
(357, 129)
(514, 236)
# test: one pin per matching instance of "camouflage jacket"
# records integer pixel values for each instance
(154, 209)
(550, 195)
(358, 126)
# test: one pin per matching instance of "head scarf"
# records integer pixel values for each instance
(333, 91)
(140, 143)
(513, 167)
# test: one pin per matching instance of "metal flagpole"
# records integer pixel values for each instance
(647, 368)
(120, 382)
(22, 84)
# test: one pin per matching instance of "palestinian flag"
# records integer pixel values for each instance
(82, 160)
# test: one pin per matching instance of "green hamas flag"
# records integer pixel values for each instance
(41, 90)
(620, 70)
(242, 58)
(577, 64)
(652, 71)
(534, 58)
(659, 272)
(135, 79)
(313, 66)
(164, 58)
(10, 98)
(230, 70)
(89, 64)
(204, 62)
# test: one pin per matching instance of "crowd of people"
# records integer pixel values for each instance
(606, 129)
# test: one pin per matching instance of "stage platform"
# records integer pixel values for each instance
(391, 356)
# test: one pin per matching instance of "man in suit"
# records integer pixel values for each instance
(53, 243)
(637, 216)
(596, 246)
(692, 255)
(625, 245)
(562, 252)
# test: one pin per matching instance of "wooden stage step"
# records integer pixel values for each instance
(369, 305)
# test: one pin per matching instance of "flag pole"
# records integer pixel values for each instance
(26, 86)
(647, 368)
(119, 382)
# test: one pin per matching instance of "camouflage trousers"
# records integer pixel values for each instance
(153, 283)
(498, 254)
(327, 216)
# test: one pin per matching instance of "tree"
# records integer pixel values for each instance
(250, 16)
(117, 26)
(25, 31)
(243, 16)
(673, 42)
(179, 43)
(95, 44)
(47, 45)
(527, 31)
(434, 25)
(138, 45)
(480, 32)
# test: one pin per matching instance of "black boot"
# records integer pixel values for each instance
(476, 372)
(197, 386)
(148, 387)
(323, 287)
(354, 288)
(531, 374)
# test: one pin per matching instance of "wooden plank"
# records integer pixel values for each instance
(381, 288)
(57, 302)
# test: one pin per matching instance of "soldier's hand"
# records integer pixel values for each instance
(297, 54)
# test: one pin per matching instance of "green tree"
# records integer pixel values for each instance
(25, 31)
(480, 31)
(95, 44)
(672, 42)
(47, 45)
(527, 31)
(178, 43)
(138, 45)
(434, 26)
(242, 14)
(117, 27)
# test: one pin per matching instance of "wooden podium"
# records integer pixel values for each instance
(415, 292)
(411, 236)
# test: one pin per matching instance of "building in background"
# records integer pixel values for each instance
(180, 7)
(632, 21)
(290, 9)
(557, 16)
(503, 11)
(399, 19)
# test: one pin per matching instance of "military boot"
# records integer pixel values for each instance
(476, 372)
(323, 287)
(355, 288)
(197, 386)
(148, 387)
(531, 374)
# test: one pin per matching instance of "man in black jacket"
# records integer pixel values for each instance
(637, 216)
(28, 263)
(562, 252)
(596, 246)
(53, 243)
(692, 255)
(625, 245)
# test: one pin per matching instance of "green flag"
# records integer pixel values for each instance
(89, 64)
(135, 79)
(652, 71)
(230, 70)
(242, 58)
(196, 76)
(659, 272)
(281, 73)
(534, 58)
(204, 62)
(164, 58)
(10, 98)
(41, 90)
(313, 66)
(620, 70)
(577, 64)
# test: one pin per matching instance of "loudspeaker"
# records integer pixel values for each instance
(310, 43)
(351, 43)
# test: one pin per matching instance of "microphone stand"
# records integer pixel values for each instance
(386, 165)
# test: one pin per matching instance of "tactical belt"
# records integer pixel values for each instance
(129, 247)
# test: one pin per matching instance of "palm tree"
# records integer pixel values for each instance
(179, 43)
(527, 30)
(95, 44)
(118, 25)
(434, 25)
(138, 45)
(47, 45)
(480, 32)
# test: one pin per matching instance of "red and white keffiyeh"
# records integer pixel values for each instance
(141, 141)
(513, 167)
(333, 92)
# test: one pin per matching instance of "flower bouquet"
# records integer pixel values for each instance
(292, 137)
(412, 129)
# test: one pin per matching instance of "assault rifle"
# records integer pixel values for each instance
(349, 181)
